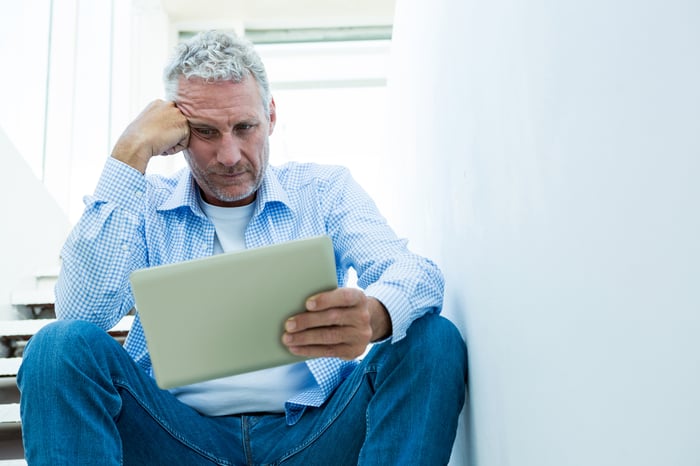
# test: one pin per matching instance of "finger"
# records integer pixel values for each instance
(175, 149)
(340, 297)
(356, 317)
(355, 337)
(327, 342)
(318, 336)
(336, 351)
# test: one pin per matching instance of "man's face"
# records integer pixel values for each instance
(229, 146)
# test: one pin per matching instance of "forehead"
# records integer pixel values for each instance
(199, 98)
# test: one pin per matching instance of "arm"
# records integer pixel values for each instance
(105, 245)
(399, 286)
(108, 242)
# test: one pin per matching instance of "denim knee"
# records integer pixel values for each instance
(65, 333)
(433, 344)
(60, 343)
(435, 326)
(437, 336)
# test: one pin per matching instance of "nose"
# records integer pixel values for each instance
(229, 151)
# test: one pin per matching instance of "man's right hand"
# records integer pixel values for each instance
(160, 129)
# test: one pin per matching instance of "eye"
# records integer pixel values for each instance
(243, 127)
(204, 132)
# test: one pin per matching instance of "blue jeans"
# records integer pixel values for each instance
(85, 402)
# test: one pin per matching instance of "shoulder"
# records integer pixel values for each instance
(166, 182)
(171, 189)
(292, 175)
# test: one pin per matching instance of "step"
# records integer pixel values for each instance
(15, 333)
(9, 366)
(33, 297)
(24, 329)
(10, 420)
(9, 415)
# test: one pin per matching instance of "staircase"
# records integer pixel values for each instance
(37, 305)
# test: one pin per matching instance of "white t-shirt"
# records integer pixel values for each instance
(259, 391)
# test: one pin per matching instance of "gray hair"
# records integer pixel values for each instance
(216, 56)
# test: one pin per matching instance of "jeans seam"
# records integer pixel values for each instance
(245, 439)
(166, 428)
(374, 370)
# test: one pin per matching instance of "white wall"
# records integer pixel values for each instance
(34, 227)
(75, 81)
(83, 71)
(548, 154)
(24, 37)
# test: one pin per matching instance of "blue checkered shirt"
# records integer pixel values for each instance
(134, 221)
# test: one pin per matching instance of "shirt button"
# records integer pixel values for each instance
(125, 247)
(138, 194)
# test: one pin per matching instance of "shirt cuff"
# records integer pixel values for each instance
(121, 184)
(398, 307)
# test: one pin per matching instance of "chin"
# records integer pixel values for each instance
(230, 198)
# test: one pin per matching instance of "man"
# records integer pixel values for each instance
(87, 400)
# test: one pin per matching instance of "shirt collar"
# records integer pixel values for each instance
(185, 194)
(271, 191)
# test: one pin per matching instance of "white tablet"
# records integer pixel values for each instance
(224, 315)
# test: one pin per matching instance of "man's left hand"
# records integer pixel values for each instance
(339, 323)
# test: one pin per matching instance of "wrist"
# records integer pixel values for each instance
(131, 155)
(380, 320)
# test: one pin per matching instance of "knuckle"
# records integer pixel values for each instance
(347, 294)
(365, 317)
(333, 335)
(330, 352)
(335, 316)
(355, 351)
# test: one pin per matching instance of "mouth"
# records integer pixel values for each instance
(235, 174)
(231, 179)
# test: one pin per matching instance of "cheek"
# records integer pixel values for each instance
(261, 151)
(199, 153)
(195, 164)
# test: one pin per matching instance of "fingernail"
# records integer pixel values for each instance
(311, 305)
(290, 325)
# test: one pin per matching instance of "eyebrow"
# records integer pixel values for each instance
(249, 120)
(195, 122)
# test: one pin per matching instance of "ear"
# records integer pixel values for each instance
(273, 115)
